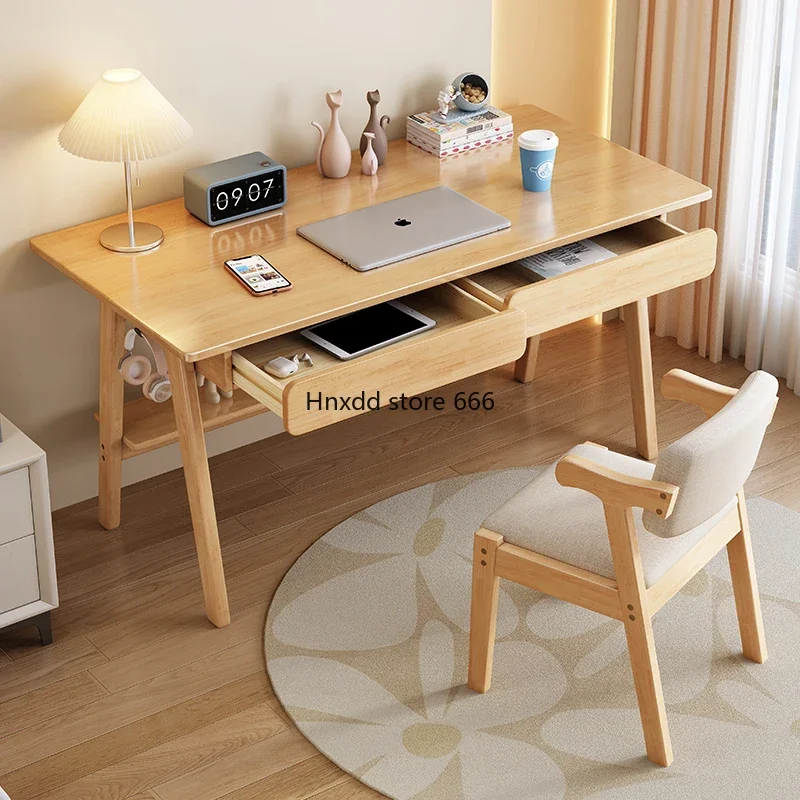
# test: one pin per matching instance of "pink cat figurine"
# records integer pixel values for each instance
(369, 161)
(333, 154)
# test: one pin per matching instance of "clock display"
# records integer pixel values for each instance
(234, 188)
(246, 196)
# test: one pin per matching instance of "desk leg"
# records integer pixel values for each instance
(112, 391)
(640, 367)
(186, 402)
(525, 368)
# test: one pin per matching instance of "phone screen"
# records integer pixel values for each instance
(257, 273)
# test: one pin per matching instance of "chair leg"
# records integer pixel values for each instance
(483, 613)
(647, 680)
(639, 633)
(745, 590)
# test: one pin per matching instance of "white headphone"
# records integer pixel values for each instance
(138, 371)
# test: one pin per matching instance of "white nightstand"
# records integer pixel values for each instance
(28, 589)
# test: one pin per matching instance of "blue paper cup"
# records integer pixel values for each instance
(537, 156)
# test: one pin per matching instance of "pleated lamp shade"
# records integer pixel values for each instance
(124, 118)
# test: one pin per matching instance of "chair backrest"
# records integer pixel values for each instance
(711, 464)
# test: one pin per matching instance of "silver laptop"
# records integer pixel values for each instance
(398, 229)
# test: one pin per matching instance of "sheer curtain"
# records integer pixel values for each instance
(760, 249)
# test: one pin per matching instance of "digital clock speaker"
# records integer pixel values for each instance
(234, 188)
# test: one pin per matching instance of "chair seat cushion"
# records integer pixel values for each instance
(569, 524)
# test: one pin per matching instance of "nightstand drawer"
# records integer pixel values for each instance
(16, 513)
(470, 337)
(652, 257)
(19, 576)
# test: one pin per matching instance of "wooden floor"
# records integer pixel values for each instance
(139, 697)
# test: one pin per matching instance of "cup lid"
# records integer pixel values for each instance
(538, 140)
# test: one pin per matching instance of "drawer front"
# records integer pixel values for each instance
(418, 366)
(19, 578)
(16, 512)
(680, 259)
(653, 257)
(483, 339)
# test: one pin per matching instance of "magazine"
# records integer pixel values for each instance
(565, 259)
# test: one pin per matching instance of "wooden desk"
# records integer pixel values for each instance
(488, 314)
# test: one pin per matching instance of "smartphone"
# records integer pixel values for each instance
(258, 275)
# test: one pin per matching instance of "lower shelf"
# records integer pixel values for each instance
(148, 426)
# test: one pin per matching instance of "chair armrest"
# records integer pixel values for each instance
(615, 488)
(678, 384)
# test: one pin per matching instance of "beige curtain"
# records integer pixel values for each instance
(682, 117)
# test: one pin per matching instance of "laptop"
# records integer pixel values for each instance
(399, 229)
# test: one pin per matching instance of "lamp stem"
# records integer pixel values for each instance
(129, 197)
(122, 237)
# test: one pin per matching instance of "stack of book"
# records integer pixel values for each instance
(462, 131)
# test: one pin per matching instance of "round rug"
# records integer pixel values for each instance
(367, 640)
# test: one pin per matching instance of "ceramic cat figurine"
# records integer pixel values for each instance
(333, 153)
(380, 144)
(369, 161)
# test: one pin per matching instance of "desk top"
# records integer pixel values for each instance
(182, 293)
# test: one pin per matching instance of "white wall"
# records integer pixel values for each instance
(248, 75)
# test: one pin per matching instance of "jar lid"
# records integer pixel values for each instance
(538, 140)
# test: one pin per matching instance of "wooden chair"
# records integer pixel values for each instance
(576, 532)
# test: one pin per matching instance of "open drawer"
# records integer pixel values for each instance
(652, 256)
(470, 337)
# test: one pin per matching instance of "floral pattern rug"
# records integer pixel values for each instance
(366, 644)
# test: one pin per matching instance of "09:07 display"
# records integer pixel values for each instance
(254, 194)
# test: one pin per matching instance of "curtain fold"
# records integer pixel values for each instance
(682, 117)
(717, 97)
(762, 246)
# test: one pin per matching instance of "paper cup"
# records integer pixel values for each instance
(537, 156)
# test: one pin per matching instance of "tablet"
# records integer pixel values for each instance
(367, 330)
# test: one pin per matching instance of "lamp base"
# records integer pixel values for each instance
(117, 237)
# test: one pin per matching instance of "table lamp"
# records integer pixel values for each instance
(125, 118)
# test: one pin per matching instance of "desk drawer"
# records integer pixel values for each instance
(653, 256)
(470, 337)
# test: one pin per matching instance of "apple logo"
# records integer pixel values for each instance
(402, 223)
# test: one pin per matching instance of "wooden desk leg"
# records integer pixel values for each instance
(112, 398)
(640, 367)
(525, 368)
(186, 401)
